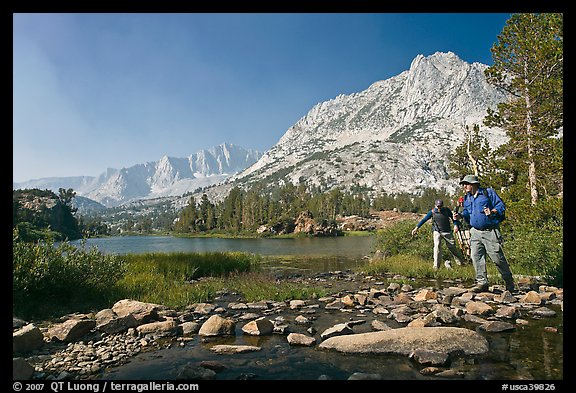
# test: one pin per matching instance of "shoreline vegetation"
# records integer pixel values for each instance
(54, 280)
(229, 235)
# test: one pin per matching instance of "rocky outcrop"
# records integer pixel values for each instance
(140, 311)
(71, 330)
(305, 223)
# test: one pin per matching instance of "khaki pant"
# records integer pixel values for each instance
(450, 243)
(489, 243)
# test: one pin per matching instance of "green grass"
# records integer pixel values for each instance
(358, 233)
(414, 267)
(179, 279)
(188, 266)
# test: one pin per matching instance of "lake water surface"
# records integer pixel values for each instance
(318, 253)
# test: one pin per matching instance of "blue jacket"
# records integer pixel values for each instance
(473, 209)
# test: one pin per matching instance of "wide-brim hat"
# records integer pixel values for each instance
(470, 179)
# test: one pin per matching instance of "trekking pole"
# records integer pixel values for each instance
(460, 235)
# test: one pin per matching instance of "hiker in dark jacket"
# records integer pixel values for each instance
(484, 210)
(442, 221)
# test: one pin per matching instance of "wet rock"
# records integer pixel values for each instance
(213, 365)
(27, 339)
(231, 349)
(507, 312)
(300, 339)
(192, 372)
(337, 330)
(189, 328)
(450, 374)
(543, 312)
(428, 357)
(478, 308)
(21, 369)
(406, 340)
(302, 320)
(101, 349)
(496, 326)
(217, 326)
(531, 297)
(365, 377)
(258, 327)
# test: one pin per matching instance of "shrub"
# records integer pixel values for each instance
(399, 240)
(537, 252)
(45, 275)
(534, 244)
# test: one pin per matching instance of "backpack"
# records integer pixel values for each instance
(435, 225)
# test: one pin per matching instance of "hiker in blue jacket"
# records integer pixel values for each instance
(441, 229)
(484, 210)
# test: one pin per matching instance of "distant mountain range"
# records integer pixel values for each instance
(167, 177)
(395, 136)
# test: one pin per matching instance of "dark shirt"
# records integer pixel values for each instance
(441, 220)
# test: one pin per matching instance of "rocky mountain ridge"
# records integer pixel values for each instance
(396, 136)
(166, 177)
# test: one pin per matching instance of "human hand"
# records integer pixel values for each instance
(414, 231)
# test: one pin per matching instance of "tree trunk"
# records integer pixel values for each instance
(530, 143)
(473, 160)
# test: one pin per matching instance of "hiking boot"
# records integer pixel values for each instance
(510, 288)
(479, 288)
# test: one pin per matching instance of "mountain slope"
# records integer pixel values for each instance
(395, 136)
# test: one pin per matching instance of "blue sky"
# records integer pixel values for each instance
(93, 91)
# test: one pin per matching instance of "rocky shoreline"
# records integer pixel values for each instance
(363, 315)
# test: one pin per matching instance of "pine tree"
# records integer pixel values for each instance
(528, 64)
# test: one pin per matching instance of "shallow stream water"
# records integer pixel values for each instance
(529, 352)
